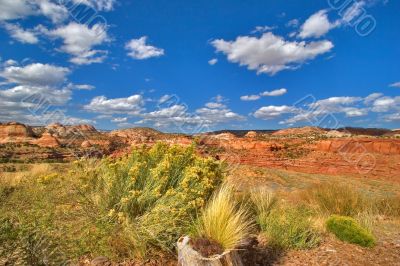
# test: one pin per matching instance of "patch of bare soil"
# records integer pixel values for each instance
(332, 251)
(206, 247)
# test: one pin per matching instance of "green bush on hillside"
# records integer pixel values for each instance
(347, 229)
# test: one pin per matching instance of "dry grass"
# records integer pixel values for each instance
(224, 221)
(336, 198)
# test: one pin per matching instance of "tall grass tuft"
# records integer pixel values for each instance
(224, 220)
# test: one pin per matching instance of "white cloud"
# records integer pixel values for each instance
(293, 23)
(215, 105)
(272, 111)
(119, 120)
(84, 87)
(79, 40)
(395, 85)
(212, 61)
(270, 53)
(278, 92)
(250, 97)
(177, 116)
(138, 49)
(372, 97)
(316, 25)
(212, 116)
(36, 74)
(263, 29)
(132, 105)
(353, 12)
(20, 95)
(386, 104)
(21, 35)
(100, 5)
(15, 9)
(57, 13)
(392, 117)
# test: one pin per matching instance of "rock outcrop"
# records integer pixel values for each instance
(15, 132)
(47, 140)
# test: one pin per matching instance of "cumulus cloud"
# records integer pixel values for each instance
(263, 29)
(385, 104)
(36, 74)
(119, 120)
(278, 92)
(392, 117)
(79, 40)
(21, 35)
(20, 95)
(15, 9)
(35, 93)
(293, 23)
(372, 97)
(57, 13)
(395, 85)
(138, 49)
(132, 105)
(86, 87)
(250, 97)
(100, 5)
(270, 53)
(272, 111)
(255, 97)
(317, 25)
(212, 61)
(177, 116)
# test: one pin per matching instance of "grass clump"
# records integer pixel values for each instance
(151, 195)
(347, 229)
(224, 221)
(286, 227)
(335, 198)
(289, 228)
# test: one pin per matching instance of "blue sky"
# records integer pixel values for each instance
(195, 66)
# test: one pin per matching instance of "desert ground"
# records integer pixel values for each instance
(62, 195)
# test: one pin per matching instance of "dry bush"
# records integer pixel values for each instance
(153, 194)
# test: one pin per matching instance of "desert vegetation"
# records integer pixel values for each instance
(137, 206)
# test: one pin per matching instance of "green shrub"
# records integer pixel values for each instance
(289, 227)
(347, 229)
(152, 194)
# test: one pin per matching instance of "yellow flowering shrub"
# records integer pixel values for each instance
(153, 193)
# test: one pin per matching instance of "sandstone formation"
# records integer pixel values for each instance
(251, 134)
(308, 149)
(47, 140)
(15, 132)
(299, 131)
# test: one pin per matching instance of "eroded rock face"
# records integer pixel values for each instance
(299, 131)
(251, 134)
(382, 146)
(47, 140)
(15, 132)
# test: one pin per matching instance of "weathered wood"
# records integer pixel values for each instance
(187, 256)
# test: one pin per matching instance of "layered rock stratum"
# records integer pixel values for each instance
(307, 149)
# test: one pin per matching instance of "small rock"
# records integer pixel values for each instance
(100, 261)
